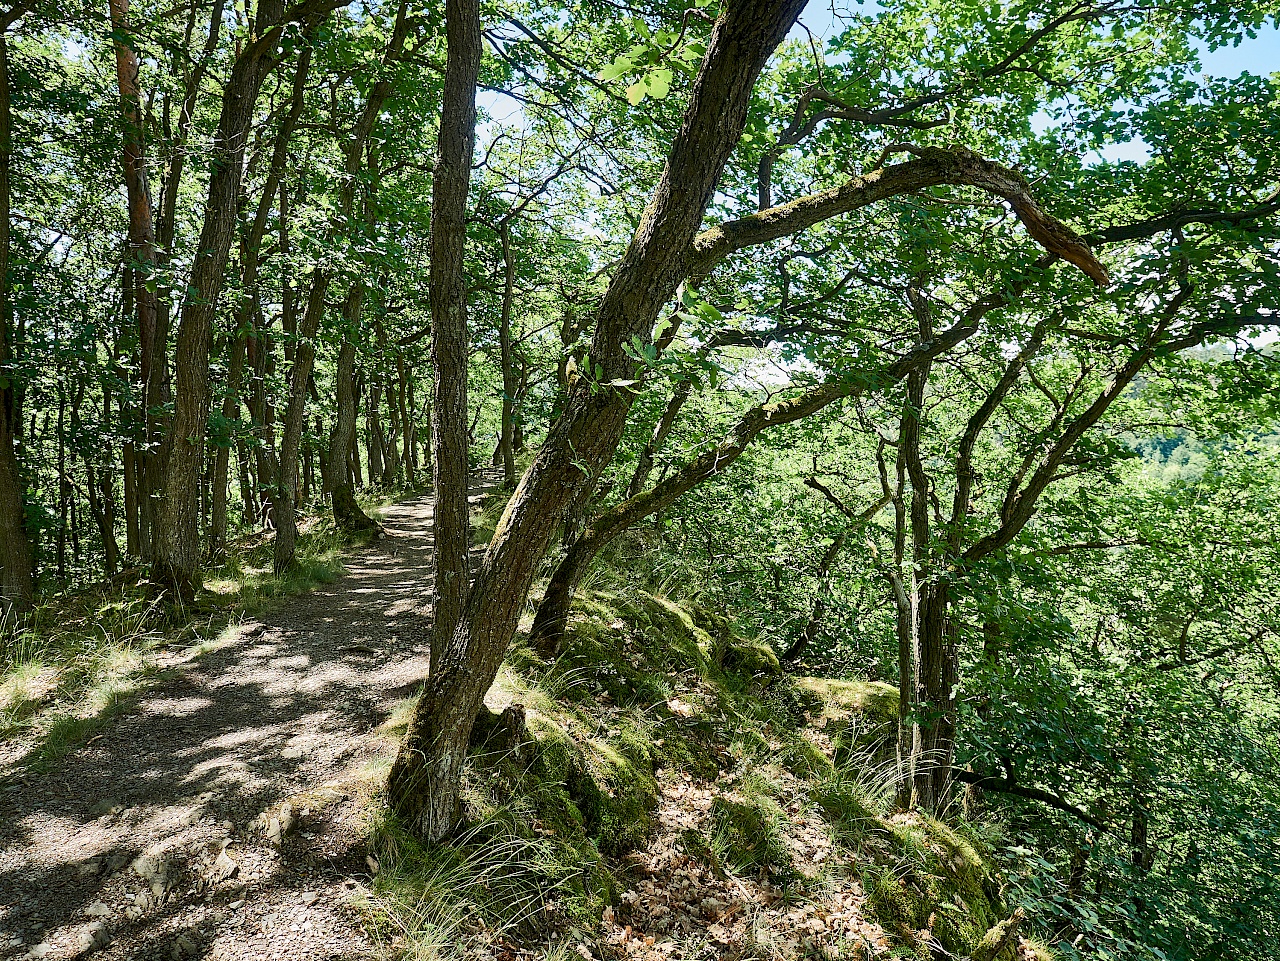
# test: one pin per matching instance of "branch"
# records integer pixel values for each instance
(931, 167)
(989, 782)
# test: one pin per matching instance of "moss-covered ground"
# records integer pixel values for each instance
(671, 792)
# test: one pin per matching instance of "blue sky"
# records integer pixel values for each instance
(1259, 56)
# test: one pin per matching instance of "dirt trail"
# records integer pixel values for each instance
(217, 819)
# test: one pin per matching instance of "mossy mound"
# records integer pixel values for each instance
(939, 894)
(746, 834)
(570, 758)
(862, 717)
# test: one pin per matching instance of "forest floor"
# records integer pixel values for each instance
(220, 816)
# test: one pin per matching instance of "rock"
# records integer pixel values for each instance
(224, 868)
(235, 905)
(98, 910)
(309, 897)
(105, 807)
(94, 938)
(184, 947)
(118, 860)
(133, 912)
(41, 950)
(281, 824)
(91, 868)
(152, 866)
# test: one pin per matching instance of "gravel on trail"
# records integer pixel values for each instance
(220, 817)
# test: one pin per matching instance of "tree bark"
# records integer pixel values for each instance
(424, 782)
(141, 262)
(506, 435)
(176, 569)
(222, 457)
(449, 196)
(347, 514)
(373, 429)
(285, 494)
(17, 561)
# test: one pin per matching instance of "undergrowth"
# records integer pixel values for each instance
(648, 689)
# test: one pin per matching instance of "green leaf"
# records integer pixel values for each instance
(620, 67)
(659, 83)
(635, 93)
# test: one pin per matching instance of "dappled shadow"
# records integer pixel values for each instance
(282, 708)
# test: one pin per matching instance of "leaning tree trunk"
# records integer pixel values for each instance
(177, 565)
(17, 563)
(424, 783)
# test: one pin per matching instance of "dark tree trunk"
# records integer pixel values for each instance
(64, 484)
(373, 430)
(222, 456)
(408, 462)
(131, 470)
(347, 514)
(506, 436)
(141, 270)
(391, 470)
(285, 497)
(424, 782)
(17, 561)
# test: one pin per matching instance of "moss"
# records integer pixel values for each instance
(840, 699)
(802, 758)
(861, 715)
(596, 791)
(942, 886)
(747, 833)
(751, 658)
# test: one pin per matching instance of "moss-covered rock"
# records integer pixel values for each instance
(940, 893)
(747, 834)
(862, 717)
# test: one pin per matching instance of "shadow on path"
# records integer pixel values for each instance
(218, 818)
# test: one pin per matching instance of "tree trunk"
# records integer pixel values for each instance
(141, 269)
(132, 468)
(373, 429)
(404, 421)
(347, 514)
(17, 561)
(424, 782)
(284, 501)
(222, 457)
(176, 569)
(506, 436)
(449, 336)
(391, 469)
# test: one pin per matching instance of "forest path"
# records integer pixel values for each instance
(219, 818)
